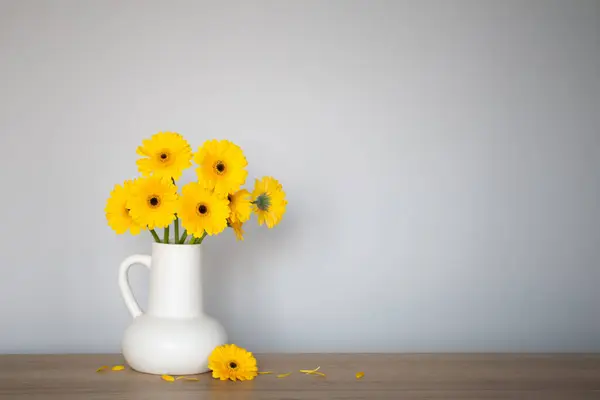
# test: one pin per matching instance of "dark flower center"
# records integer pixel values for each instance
(232, 365)
(164, 156)
(219, 167)
(229, 197)
(154, 201)
(202, 209)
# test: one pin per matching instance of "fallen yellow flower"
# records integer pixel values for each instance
(102, 368)
(360, 375)
(168, 378)
(284, 375)
(118, 368)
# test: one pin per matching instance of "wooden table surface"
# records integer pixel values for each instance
(393, 376)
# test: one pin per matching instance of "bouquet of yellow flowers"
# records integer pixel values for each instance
(206, 207)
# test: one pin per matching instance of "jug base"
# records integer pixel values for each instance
(171, 346)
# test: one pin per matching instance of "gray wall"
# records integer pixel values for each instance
(441, 159)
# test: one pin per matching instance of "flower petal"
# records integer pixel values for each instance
(265, 372)
(360, 375)
(102, 368)
(284, 375)
(186, 378)
(168, 378)
(118, 368)
(308, 371)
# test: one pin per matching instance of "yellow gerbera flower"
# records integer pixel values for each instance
(168, 154)
(268, 201)
(237, 229)
(202, 210)
(221, 166)
(117, 213)
(240, 206)
(153, 202)
(232, 362)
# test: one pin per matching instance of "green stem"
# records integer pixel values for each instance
(176, 230)
(155, 235)
(166, 234)
(202, 238)
(183, 237)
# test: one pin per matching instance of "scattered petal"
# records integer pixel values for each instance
(360, 375)
(284, 375)
(186, 378)
(265, 372)
(312, 371)
(168, 378)
(102, 368)
(308, 371)
(118, 368)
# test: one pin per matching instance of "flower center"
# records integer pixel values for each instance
(263, 202)
(202, 209)
(219, 167)
(164, 156)
(153, 201)
(232, 365)
(229, 197)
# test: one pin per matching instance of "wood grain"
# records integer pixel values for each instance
(398, 376)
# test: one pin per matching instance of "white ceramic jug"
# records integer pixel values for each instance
(174, 336)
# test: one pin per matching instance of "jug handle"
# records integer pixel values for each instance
(130, 301)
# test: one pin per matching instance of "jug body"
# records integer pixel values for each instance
(174, 336)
